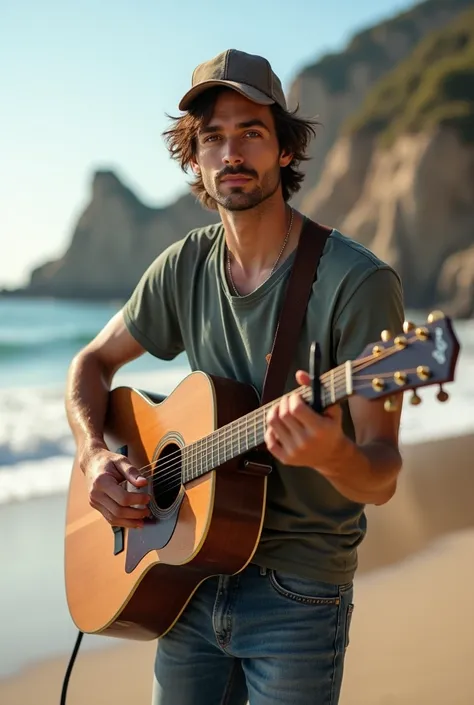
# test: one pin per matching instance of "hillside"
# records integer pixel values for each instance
(335, 87)
(400, 178)
(434, 87)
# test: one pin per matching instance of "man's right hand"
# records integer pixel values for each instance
(104, 472)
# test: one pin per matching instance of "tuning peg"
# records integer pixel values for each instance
(408, 326)
(435, 316)
(415, 399)
(401, 342)
(442, 395)
(423, 372)
(390, 404)
(385, 335)
(422, 333)
(400, 378)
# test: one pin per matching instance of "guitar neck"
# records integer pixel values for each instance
(248, 432)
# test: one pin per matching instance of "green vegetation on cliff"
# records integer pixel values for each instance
(433, 87)
(369, 47)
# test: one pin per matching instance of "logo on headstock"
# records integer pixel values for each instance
(439, 353)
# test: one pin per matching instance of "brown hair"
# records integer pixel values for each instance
(293, 133)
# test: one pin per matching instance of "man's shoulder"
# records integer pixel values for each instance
(345, 252)
(187, 252)
(196, 242)
(349, 262)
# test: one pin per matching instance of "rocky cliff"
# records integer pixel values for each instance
(114, 241)
(336, 86)
(393, 167)
(409, 211)
(400, 178)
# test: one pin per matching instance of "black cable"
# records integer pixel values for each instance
(69, 668)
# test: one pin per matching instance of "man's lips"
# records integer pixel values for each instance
(236, 180)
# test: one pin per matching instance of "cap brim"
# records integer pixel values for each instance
(247, 91)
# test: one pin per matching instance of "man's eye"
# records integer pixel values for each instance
(252, 133)
(211, 138)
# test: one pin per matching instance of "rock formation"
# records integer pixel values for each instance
(400, 178)
(114, 241)
(405, 208)
(336, 86)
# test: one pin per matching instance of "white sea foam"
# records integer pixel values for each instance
(36, 446)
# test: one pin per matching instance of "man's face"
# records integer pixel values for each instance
(238, 155)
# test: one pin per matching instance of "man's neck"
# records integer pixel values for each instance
(255, 237)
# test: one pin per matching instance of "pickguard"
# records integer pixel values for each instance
(156, 532)
(154, 535)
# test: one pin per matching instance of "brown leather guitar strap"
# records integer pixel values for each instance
(303, 274)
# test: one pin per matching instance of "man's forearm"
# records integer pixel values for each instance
(86, 401)
(366, 474)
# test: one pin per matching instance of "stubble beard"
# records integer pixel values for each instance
(241, 200)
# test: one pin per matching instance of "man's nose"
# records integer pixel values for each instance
(232, 155)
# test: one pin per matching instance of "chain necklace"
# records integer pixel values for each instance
(229, 271)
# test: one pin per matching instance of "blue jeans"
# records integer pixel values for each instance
(262, 636)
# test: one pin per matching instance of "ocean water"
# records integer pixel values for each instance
(37, 342)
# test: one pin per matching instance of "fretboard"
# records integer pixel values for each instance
(248, 432)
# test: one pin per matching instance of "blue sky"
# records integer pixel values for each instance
(86, 85)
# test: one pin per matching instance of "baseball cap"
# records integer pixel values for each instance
(248, 74)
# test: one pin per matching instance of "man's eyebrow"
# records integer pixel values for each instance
(255, 122)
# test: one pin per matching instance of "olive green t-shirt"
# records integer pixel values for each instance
(183, 303)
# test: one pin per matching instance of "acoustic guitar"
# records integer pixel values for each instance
(200, 449)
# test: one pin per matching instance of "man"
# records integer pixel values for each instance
(278, 631)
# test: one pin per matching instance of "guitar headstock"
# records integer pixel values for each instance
(421, 356)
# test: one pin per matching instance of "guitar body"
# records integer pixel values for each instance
(135, 583)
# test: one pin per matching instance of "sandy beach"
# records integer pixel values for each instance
(412, 641)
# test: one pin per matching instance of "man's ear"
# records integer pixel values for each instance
(285, 159)
(195, 167)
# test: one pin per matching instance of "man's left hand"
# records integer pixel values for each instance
(297, 435)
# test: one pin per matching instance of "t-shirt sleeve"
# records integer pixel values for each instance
(375, 305)
(151, 313)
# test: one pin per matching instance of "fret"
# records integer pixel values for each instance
(333, 389)
(237, 439)
(263, 424)
(326, 397)
(230, 437)
(223, 446)
(348, 380)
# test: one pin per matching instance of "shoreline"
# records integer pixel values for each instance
(427, 522)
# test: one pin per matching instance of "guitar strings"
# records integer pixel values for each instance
(173, 468)
(174, 476)
(174, 460)
(239, 427)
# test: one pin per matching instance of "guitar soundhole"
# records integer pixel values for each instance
(167, 476)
